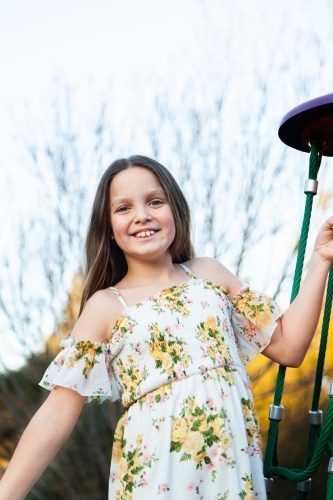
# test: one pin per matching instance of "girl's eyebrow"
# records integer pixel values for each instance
(150, 193)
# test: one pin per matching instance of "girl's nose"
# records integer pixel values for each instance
(141, 214)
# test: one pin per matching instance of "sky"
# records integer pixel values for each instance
(85, 40)
(89, 45)
(111, 41)
(144, 44)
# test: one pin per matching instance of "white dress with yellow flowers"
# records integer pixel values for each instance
(177, 360)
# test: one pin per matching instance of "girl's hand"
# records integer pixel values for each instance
(324, 242)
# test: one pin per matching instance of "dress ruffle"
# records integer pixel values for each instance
(254, 321)
(85, 367)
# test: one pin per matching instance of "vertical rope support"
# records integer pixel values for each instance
(302, 496)
(323, 342)
(313, 171)
(329, 490)
(319, 375)
(329, 494)
(271, 447)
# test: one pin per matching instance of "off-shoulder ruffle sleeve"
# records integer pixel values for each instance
(254, 318)
(85, 367)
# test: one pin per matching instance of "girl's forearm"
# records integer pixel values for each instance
(298, 324)
(41, 440)
(300, 321)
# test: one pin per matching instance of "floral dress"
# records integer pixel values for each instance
(177, 360)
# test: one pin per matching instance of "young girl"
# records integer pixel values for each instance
(169, 334)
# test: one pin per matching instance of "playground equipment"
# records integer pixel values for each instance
(308, 128)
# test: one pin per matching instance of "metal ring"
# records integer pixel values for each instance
(330, 392)
(275, 412)
(268, 484)
(304, 486)
(318, 139)
(330, 466)
(315, 417)
(311, 186)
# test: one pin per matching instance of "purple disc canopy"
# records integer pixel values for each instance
(307, 122)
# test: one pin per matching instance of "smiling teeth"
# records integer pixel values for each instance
(145, 233)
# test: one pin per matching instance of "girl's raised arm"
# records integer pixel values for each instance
(298, 324)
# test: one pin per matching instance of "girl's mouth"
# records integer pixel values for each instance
(145, 234)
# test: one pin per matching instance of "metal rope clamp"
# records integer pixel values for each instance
(330, 392)
(330, 467)
(268, 484)
(315, 417)
(275, 412)
(311, 186)
(304, 486)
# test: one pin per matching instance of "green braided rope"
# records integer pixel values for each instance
(309, 457)
(311, 445)
(323, 342)
(302, 496)
(313, 170)
(295, 289)
(271, 447)
(319, 375)
(329, 449)
(329, 490)
(329, 494)
(302, 246)
(313, 457)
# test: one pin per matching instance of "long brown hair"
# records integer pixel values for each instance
(105, 261)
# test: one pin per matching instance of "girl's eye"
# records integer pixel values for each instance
(122, 209)
(156, 202)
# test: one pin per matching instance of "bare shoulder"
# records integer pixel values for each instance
(98, 317)
(214, 271)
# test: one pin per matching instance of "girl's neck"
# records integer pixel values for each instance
(142, 273)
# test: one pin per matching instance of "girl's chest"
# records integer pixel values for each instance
(184, 314)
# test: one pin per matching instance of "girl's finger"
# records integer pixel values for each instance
(328, 224)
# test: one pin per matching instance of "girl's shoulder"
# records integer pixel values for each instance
(98, 317)
(213, 270)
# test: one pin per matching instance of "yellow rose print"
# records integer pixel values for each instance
(201, 435)
(120, 488)
(136, 460)
(172, 299)
(210, 323)
(122, 467)
(166, 362)
(226, 441)
(263, 319)
(167, 351)
(193, 443)
(198, 457)
(216, 426)
(70, 362)
(180, 429)
(155, 352)
(117, 451)
(186, 362)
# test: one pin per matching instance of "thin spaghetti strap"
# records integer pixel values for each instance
(189, 272)
(116, 292)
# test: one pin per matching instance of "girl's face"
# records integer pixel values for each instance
(142, 222)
